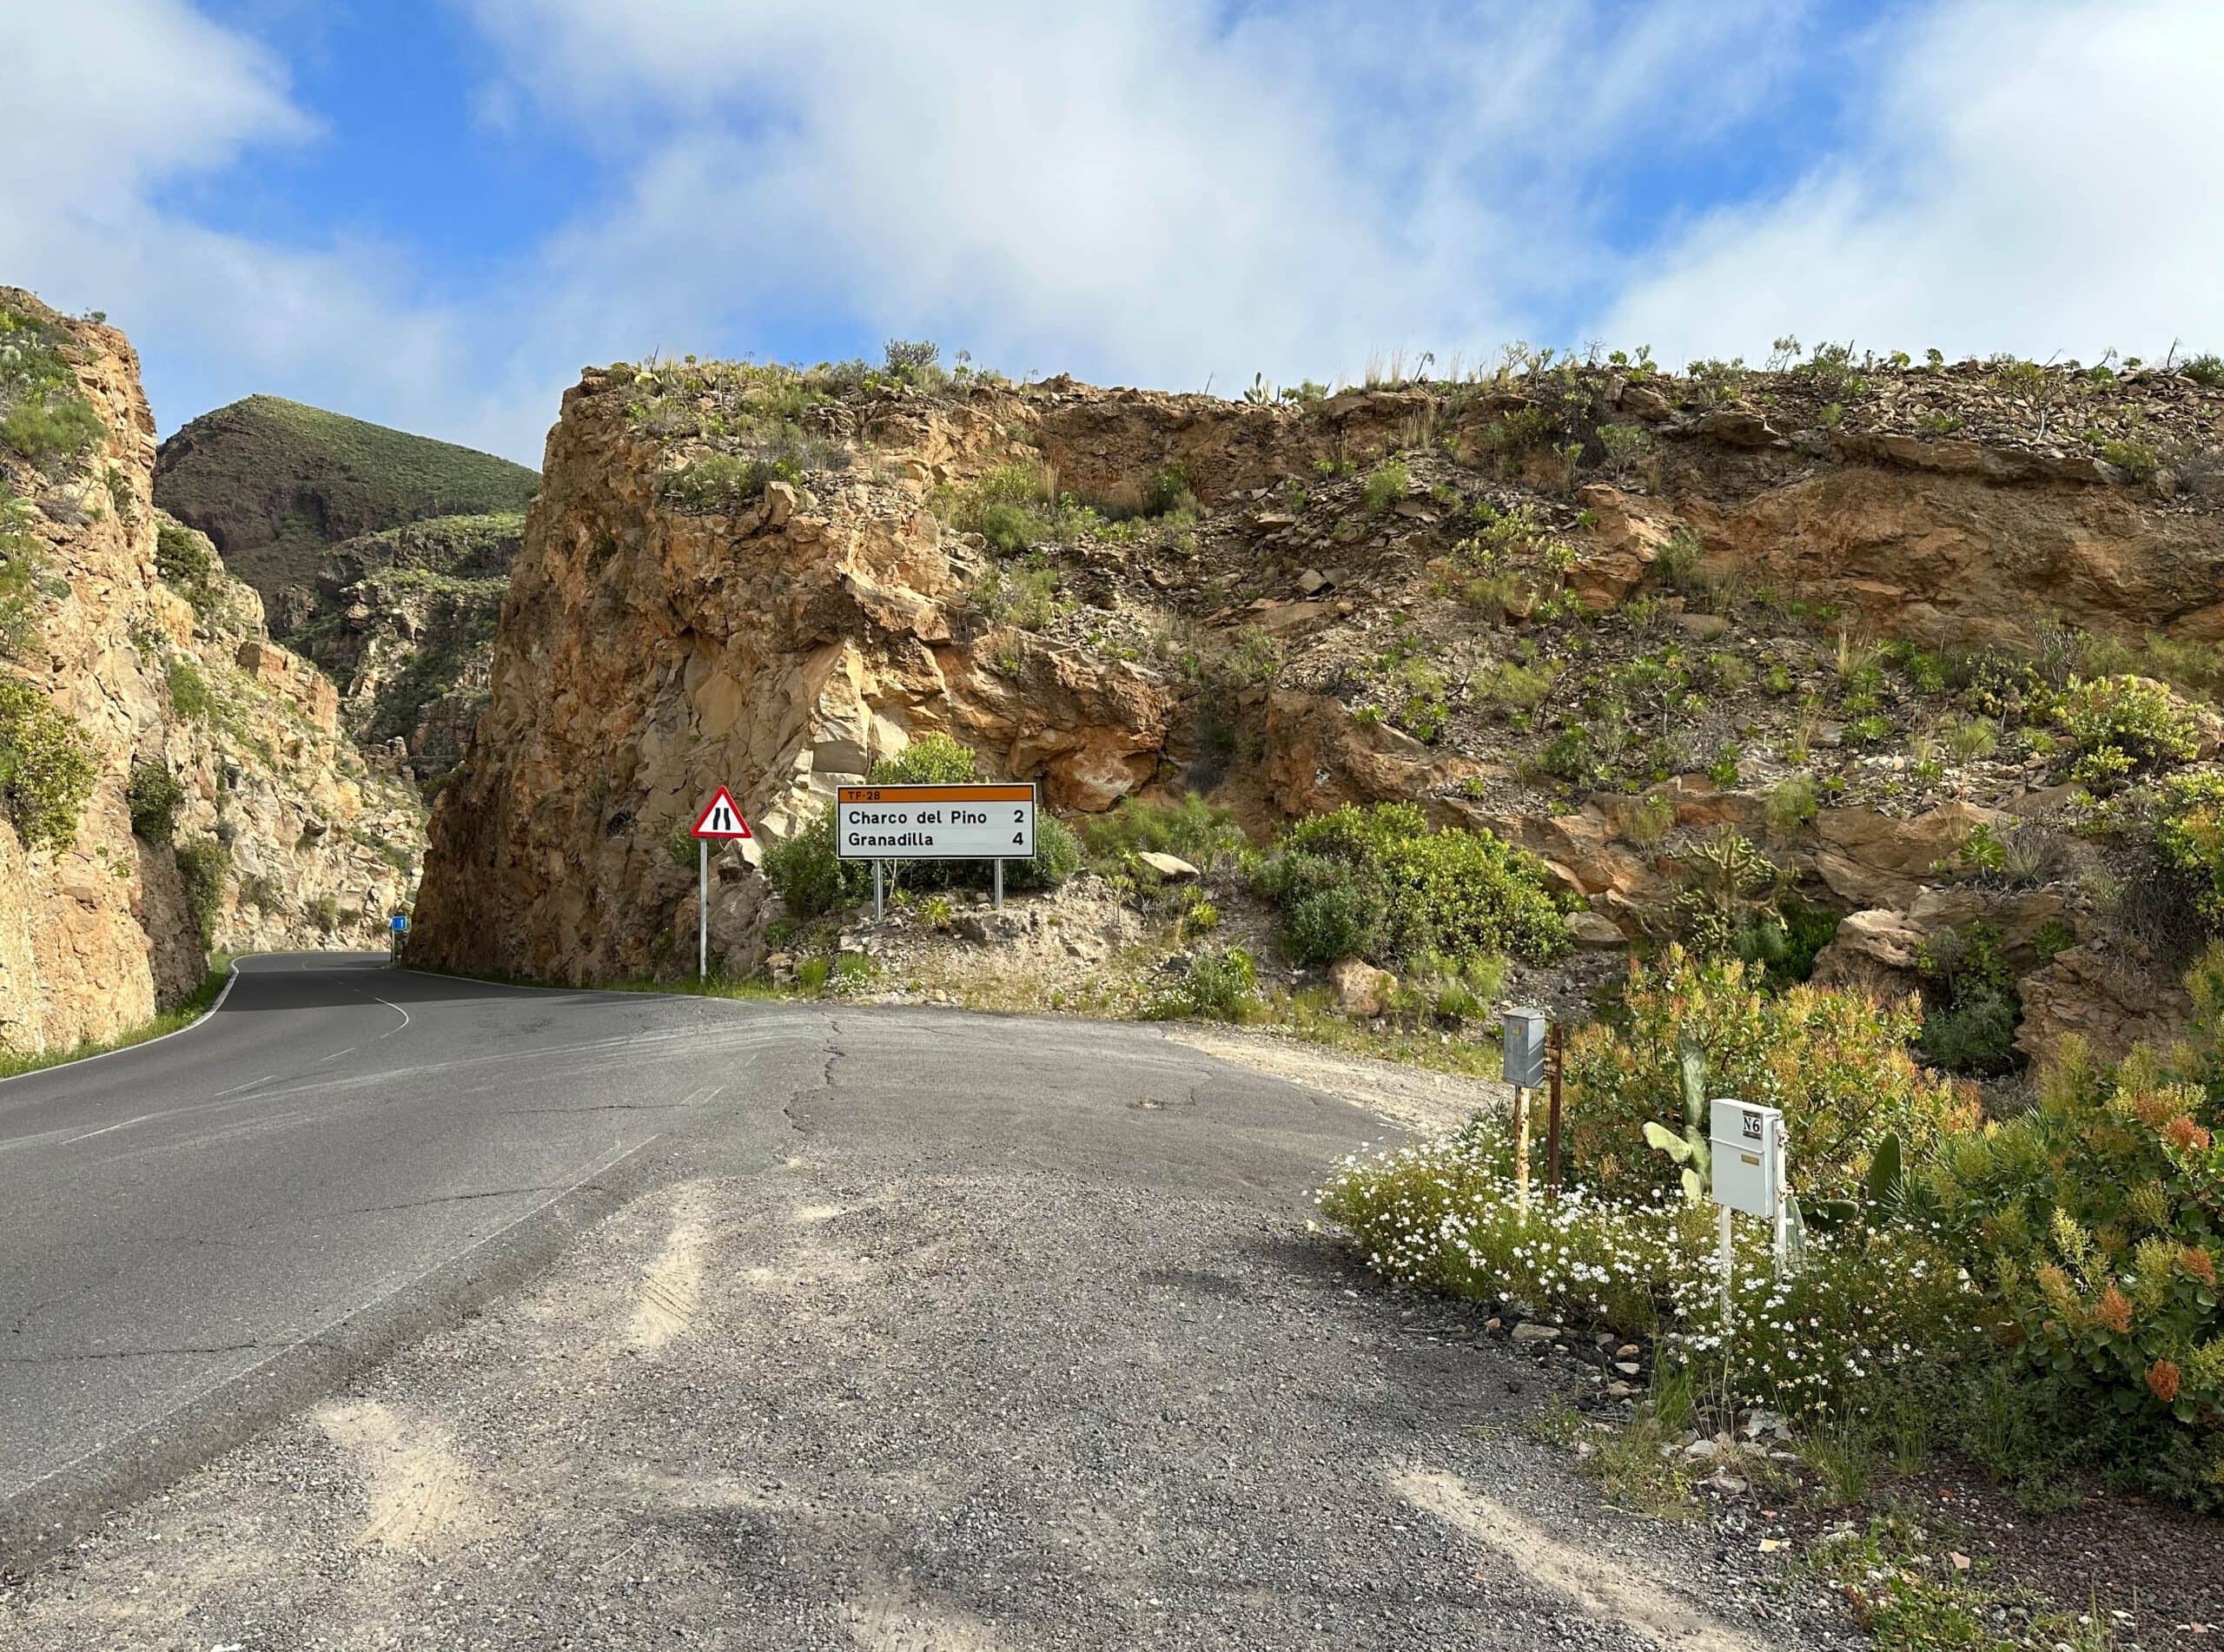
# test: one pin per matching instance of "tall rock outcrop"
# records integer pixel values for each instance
(169, 777)
(1551, 605)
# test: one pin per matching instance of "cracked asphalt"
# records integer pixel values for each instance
(396, 1311)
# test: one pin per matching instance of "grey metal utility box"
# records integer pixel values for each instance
(1525, 1048)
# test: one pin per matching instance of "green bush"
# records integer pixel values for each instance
(18, 577)
(1836, 1063)
(1203, 834)
(153, 794)
(202, 865)
(1405, 887)
(185, 562)
(1221, 985)
(44, 417)
(1973, 1010)
(2134, 459)
(47, 769)
(1385, 484)
(1443, 1215)
(2126, 726)
(931, 760)
(189, 695)
(2096, 1222)
(2189, 838)
(812, 879)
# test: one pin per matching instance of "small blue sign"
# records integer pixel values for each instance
(401, 923)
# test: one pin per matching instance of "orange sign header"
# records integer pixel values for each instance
(980, 794)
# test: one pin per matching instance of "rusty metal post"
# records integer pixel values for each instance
(1552, 1119)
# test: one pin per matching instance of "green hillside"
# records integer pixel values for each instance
(275, 485)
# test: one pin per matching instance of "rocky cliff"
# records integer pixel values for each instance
(170, 779)
(1831, 610)
(404, 622)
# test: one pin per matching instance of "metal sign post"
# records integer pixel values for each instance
(1524, 1044)
(721, 818)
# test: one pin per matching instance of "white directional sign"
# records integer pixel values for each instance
(969, 823)
(722, 818)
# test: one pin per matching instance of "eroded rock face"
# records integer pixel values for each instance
(99, 932)
(649, 654)
(1376, 600)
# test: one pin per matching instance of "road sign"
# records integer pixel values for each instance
(967, 822)
(722, 818)
(399, 923)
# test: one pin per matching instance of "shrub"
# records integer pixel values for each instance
(2206, 370)
(2189, 838)
(2134, 459)
(2125, 726)
(1442, 1215)
(1385, 484)
(189, 695)
(810, 876)
(47, 769)
(2095, 1222)
(812, 879)
(44, 417)
(1969, 1025)
(1221, 985)
(1652, 819)
(1837, 1064)
(202, 865)
(1379, 878)
(931, 760)
(1790, 805)
(1203, 834)
(18, 577)
(153, 794)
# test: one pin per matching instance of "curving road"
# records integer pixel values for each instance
(906, 1331)
(196, 1234)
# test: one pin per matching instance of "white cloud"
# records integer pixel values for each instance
(1134, 189)
(113, 103)
(2032, 178)
(1151, 191)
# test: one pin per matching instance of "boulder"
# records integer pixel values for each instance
(1877, 951)
(1361, 989)
(1594, 931)
(2107, 999)
(1173, 867)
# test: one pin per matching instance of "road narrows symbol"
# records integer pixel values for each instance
(722, 818)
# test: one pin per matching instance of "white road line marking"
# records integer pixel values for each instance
(250, 1084)
(231, 980)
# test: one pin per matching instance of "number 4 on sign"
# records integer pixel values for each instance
(722, 818)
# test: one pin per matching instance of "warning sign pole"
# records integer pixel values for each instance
(721, 818)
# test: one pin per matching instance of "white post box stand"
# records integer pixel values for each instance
(1748, 1174)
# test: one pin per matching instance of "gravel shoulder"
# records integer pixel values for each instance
(1047, 1361)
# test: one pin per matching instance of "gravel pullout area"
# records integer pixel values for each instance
(1061, 1370)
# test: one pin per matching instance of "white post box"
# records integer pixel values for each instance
(1748, 1157)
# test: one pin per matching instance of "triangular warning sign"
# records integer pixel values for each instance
(723, 818)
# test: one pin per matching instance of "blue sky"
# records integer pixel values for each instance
(434, 212)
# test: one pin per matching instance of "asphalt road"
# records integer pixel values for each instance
(179, 1216)
(789, 1325)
